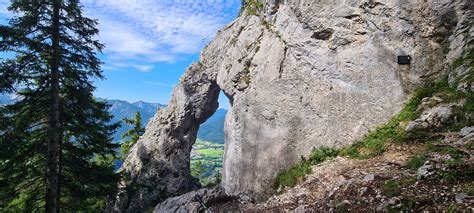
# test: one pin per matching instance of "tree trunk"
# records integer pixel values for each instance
(55, 130)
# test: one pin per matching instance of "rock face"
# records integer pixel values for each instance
(299, 74)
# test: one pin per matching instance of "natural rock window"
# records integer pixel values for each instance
(208, 150)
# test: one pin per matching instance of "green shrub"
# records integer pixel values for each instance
(391, 188)
(468, 112)
(454, 162)
(448, 176)
(322, 154)
(452, 208)
(457, 63)
(416, 162)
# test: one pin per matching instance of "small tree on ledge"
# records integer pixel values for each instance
(131, 137)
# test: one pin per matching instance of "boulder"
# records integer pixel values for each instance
(196, 201)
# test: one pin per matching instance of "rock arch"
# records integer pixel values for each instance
(289, 92)
(158, 165)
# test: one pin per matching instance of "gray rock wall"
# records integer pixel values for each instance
(300, 74)
(323, 74)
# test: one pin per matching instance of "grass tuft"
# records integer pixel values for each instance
(416, 162)
(292, 176)
(295, 174)
(391, 188)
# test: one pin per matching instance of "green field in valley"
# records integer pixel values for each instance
(206, 161)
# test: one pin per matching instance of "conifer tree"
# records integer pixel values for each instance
(198, 169)
(52, 135)
(131, 137)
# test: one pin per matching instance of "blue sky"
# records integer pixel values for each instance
(149, 43)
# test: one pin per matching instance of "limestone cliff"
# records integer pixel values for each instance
(299, 74)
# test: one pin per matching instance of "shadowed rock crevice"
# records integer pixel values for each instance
(324, 34)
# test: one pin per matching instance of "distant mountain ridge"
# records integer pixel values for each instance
(123, 109)
(212, 130)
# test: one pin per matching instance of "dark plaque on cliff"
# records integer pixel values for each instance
(404, 59)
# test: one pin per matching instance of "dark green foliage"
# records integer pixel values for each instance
(456, 155)
(466, 113)
(447, 176)
(131, 137)
(37, 45)
(322, 154)
(391, 188)
(451, 208)
(469, 105)
(197, 169)
(213, 181)
(416, 162)
(442, 149)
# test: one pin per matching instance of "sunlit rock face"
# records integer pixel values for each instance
(299, 74)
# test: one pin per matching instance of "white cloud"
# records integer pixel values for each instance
(3, 8)
(125, 42)
(121, 39)
(115, 65)
(150, 31)
(158, 30)
(110, 68)
(143, 68)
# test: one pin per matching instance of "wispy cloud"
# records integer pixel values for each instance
(158, 30)
(115, 65)
(157, 83)
(3, 7)
(144, 68)
(149, 31)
